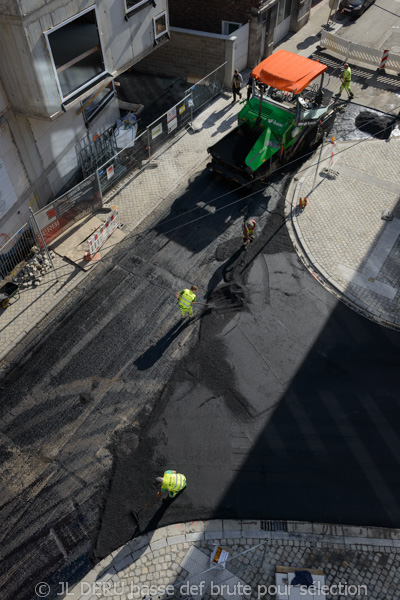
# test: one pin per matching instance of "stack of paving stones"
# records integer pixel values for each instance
(179, 556)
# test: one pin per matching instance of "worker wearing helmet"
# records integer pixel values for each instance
(185, 301)
(172, 482)
(248, 232)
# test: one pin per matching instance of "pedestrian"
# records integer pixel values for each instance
(248, 232)
(346, 79)
(185, 300)
(171, 482)
(249, 88)
(237, 81)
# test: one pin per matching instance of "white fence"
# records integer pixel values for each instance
(359, 53)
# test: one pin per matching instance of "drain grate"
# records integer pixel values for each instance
(274, 525)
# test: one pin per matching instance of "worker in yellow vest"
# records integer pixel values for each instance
(172, 482)
(248, 232)
(185, 300)
(346, 79)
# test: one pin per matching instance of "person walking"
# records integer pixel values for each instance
(346, 79)
(248, 232)
(237, 81)
(249, 88)
(171, 482)
(185, 300)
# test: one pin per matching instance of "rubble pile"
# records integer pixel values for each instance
(35, 268)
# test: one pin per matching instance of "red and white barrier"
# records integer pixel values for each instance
(96, 241)
(384, 59)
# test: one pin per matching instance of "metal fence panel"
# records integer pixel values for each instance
(15, 253)
(207, 88)
(130, 158)
(165, 127)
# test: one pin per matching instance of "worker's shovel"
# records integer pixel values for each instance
(135, 513)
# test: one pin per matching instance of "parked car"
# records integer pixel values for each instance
(354, 8)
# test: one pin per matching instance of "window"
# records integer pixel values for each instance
(229, 27)
(160, 25)
(132, 4)
(91, 108)
(76, 53)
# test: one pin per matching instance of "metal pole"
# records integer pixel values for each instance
(191, 107)
(43, 242)
(317, 169)
(149, 143)
(99, 184)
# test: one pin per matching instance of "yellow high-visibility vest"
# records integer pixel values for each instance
(186, 297)
(173, 482)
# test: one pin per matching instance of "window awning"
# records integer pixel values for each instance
(287, 71)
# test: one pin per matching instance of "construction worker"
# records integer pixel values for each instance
(172, 482)
(346, 77)
(248, 232)
(185, 301)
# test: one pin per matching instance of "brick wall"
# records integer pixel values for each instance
(185, 54)
(207, 15)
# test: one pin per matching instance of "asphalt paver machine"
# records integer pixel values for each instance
(288, 114)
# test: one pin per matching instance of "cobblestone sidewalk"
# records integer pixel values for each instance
(174, 562)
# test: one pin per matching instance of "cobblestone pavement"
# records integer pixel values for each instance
(174, 562)
(341, 234)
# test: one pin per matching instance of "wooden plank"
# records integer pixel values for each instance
(78, 58)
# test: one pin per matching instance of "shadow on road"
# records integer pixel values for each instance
(155, 352)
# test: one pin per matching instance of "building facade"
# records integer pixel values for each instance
(269, 20)
(59, 59)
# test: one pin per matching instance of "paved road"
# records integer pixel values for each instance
(278, 401)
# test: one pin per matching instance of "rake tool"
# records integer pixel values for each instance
(135, 513)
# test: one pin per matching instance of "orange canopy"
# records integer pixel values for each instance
(287, 71)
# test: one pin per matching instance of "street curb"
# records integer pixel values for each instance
(298, 533)
(313, 266)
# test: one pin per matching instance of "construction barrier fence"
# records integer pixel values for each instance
(129, 160)
(16, 251)
(362, 54)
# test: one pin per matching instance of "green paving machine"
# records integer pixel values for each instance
(287, 115)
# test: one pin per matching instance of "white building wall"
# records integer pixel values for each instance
(37, 138)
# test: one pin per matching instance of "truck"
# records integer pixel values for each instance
(288, 114)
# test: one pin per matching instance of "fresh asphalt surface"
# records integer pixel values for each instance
(277, 402)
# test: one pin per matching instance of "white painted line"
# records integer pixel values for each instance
(382, 249)
(383, 289)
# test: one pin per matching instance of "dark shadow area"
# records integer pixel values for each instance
(155, 352)
(196, 219)
(378, 126)
(157, 94)
(285, 410)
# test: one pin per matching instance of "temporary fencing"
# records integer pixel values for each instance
(53, 219)
(361, 54)
(16, 251)
(96, 241)
(160, 132)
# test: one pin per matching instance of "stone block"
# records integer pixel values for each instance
(231, 525)
(194, 537)
(176, 539)
(123, 563)
(161, 543)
